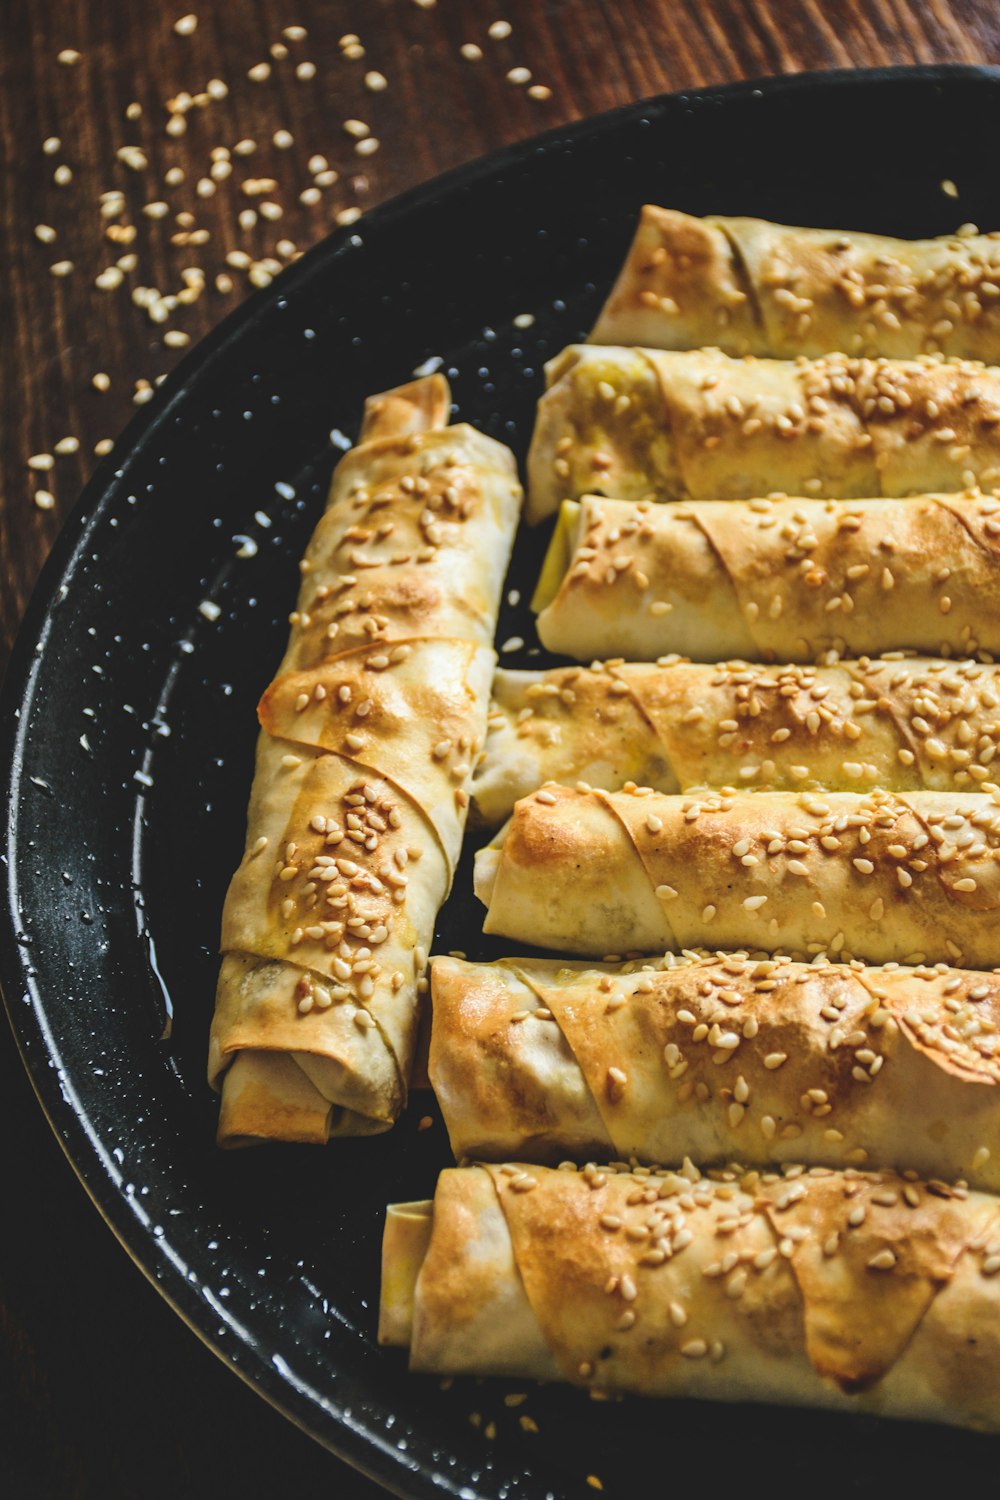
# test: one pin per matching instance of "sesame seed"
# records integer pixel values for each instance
(209, 609)
(103, 446)
(283, 139)
(499, 31)
(519, 75)
(348, 216)
(45, 233)
(294, 33)
(471, 52)
(62, 175)
(259, 72)
(368, 146)
(307, 70)
(41, 462)
(542, 91)
(44, 499)
(186, 25)
(948, 188)
(216, 89)
(69, 57)
(68, 445)
(376, 82)
(176, 126)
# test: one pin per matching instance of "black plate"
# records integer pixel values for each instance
(128, 728)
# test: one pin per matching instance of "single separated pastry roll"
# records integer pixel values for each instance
(898, 724)
(752, 287)
(369, 735)
(718, 1058)
(856, 1291)
(698, 425)
(773, 580)
(907, 878)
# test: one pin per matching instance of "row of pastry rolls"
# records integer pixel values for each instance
(799, 1287)
(851, 1290)
(369, 734)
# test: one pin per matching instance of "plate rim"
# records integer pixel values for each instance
(67, 1119)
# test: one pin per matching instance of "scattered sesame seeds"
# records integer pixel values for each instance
(259, 73)
(376, 82)
(471, 52)
(307, 70)
(44, 499)
(62, 175)
(51, 145)
(499, 31)
(185, 25)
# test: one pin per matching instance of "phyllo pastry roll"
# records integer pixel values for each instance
(773, 580)
(899, 724)
(864, 1292)
(885, 877)
(699, 425)
(720, 1058)
(752, 287)
(369, 735)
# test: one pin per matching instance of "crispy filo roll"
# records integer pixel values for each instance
(752, 287)
(369, 735)
(857, 1291)
(699, 425)
(773, 580)
(720, 1058)
(885, 877)
(899, 724)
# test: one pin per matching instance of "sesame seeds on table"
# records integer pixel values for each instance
(153, 215)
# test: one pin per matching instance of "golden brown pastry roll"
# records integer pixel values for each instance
(856, 1291)
(369, 735)
(767, 580)
(416, 535)
(718, 1058)
(899, 724)
(906, 877)
(648, 424)
(752, 287)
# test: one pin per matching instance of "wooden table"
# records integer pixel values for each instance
(103, 1391)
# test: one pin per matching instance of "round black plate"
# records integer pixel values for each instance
(128, 727)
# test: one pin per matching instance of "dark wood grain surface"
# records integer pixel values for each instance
(103, 1391)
